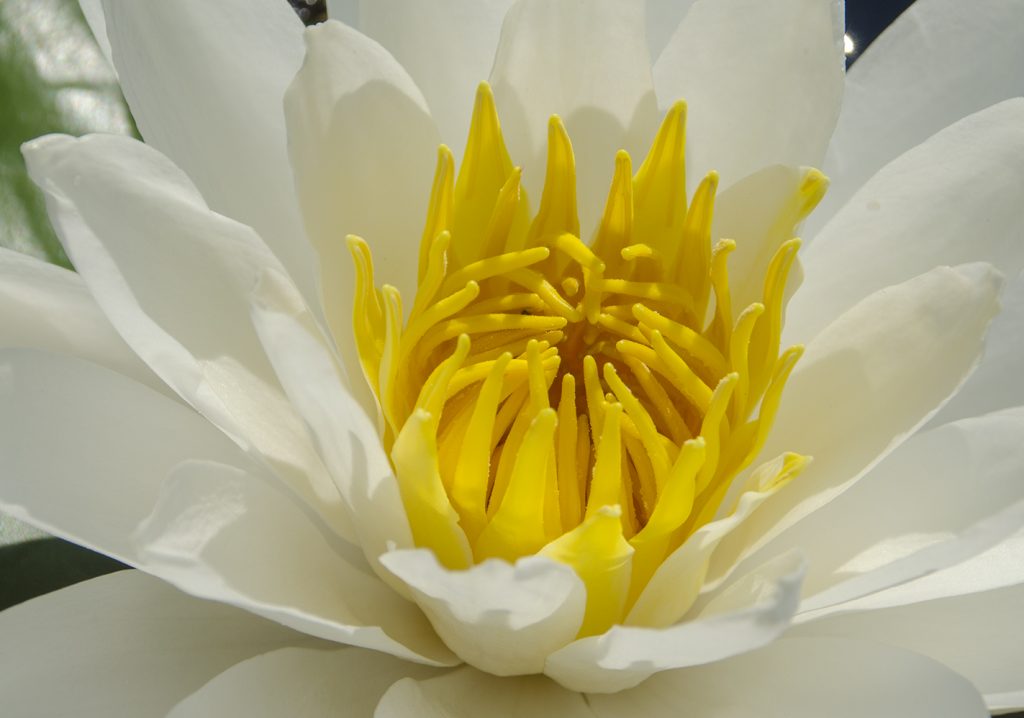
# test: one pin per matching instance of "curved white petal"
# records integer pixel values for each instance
(998, 567)
(174, 279)
(48, 307)
(232, 535)
(981, 636)
(363, 146)
(587, 61)
(996, 383)
(939, 61)
(626, 655)
(867, 382)
(763, 80)
(938, 484)
(501, 618)
(759, 213)
(467, 693)
(447, 46)
(663, 19)
(676, 584)
(85, 449)
(805, 678)
(205, 84)
(953, 199)
(347, 439)
(121, 644)
(300, 683)
(93, 12)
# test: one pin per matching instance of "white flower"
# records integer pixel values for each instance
(177, 405)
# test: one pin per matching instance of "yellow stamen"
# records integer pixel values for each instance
(591, 402)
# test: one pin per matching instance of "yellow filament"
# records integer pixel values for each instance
(554, 396)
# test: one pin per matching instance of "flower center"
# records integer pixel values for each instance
(589, 402)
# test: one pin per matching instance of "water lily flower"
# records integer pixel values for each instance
(554, 420)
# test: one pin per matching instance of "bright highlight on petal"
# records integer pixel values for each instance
(591, 402)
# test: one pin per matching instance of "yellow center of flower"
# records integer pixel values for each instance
(588, 402)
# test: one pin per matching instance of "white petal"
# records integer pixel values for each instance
(48, 307)
(500, 618)
(974, 541)
(763, 80)
(996, 568)
(174, 279)
(85, 449)
(951, 200)
(466, 693)
(663, 18)
(122, 644)
(626, 655)
(939, 61)
(301, 683)
(759, 213)
(205, 85)
(676, 584)
(866, 382)
(979, 635)
(447, 47)
(348, 441)
(996, 383)
(230, 534)
(587, 61)
(363, 146)
(933, 487)
(805, 678)
(93, 12)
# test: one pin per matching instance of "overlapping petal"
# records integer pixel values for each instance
(755, 98)
(126, 643)
(134, 226)
(953, 199)
(447, 47)
(951, 630)
(301, 682)
(941, 60)
(50, 308)
(362, 143)
(805, 678)
(586, 61)
(204, 84)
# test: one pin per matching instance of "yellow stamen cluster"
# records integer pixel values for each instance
(591, 403)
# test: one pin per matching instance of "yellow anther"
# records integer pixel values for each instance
(615, 231)
(721, 328)
(439, 210)
(546, 395)
(433, 271)
(502, 264)
(660, 186)
(485, 169)
(680, 375)
(693, 344)
(637, 251)
(692, 264)
(517, 527)
(469, 493)
(645, 425)
(606, 486)
(557, 214)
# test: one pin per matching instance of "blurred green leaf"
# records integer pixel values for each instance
(53, 78)
(33, 568)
